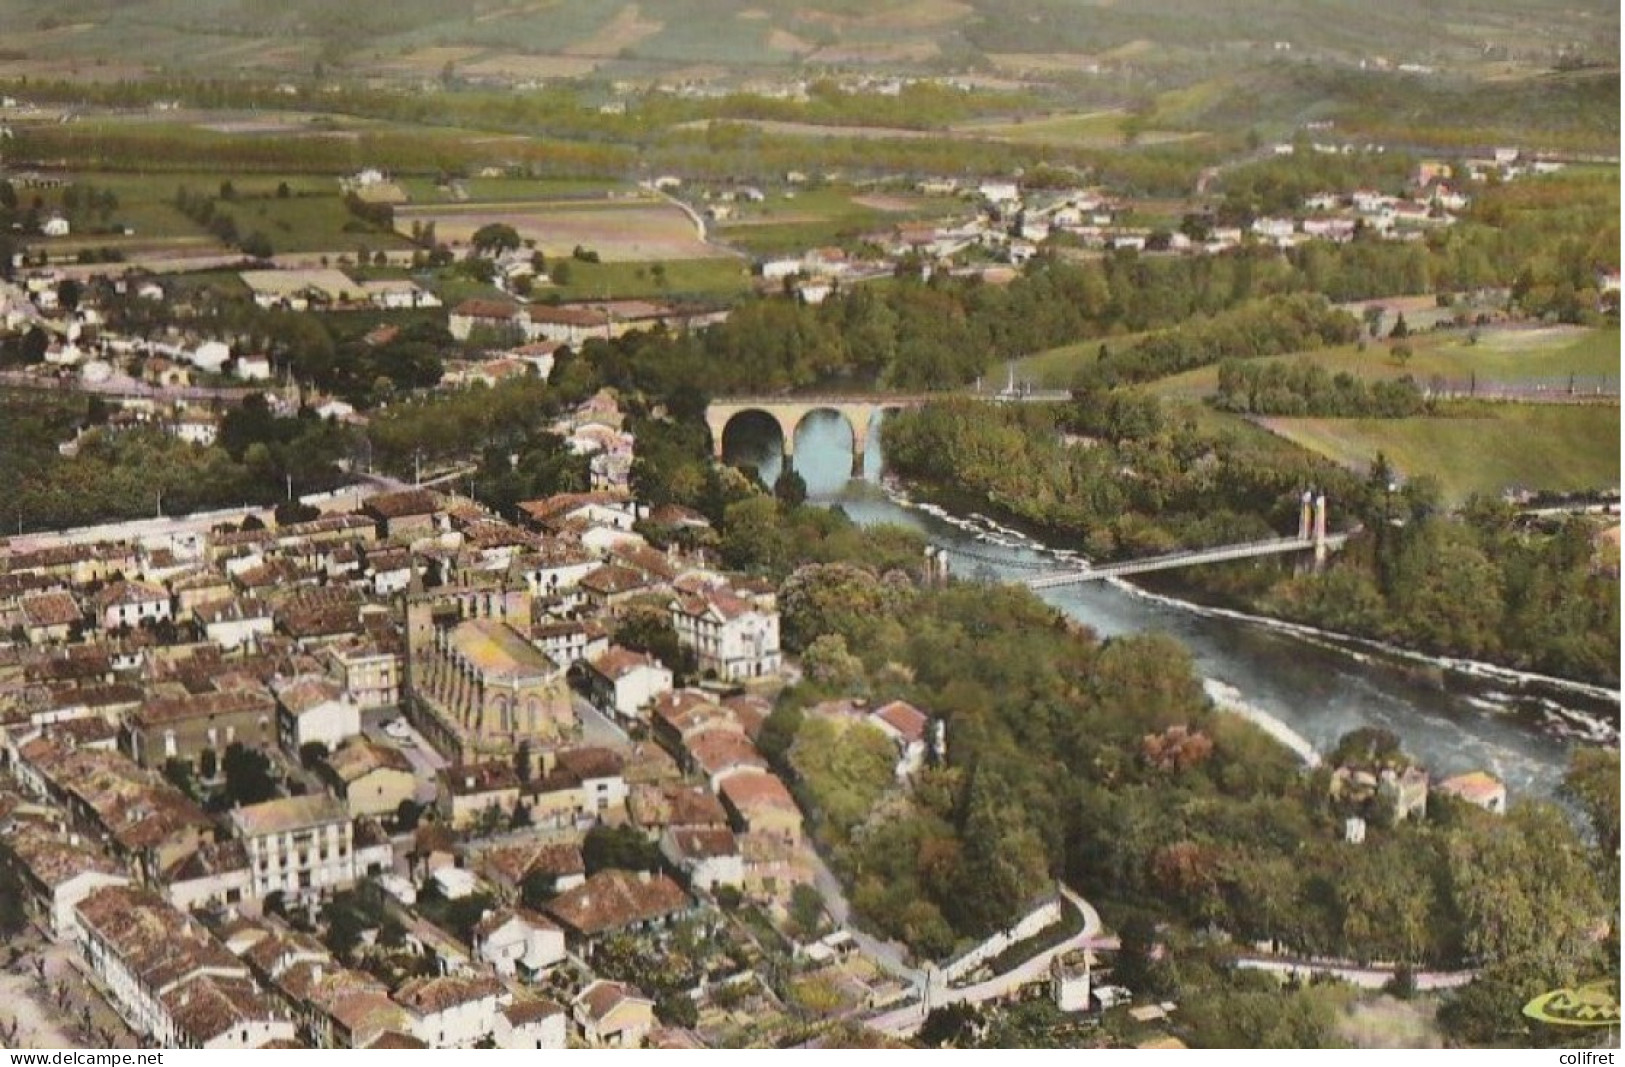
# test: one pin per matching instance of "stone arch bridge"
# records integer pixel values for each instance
(789, 412)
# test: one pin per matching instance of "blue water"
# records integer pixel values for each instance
(1519, 730)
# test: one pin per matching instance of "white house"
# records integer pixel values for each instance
(453, 1011)
(55, 226)
(738, 638)
(518, 941)
(313, 708)
(709, 857)
(626, 682)
(210, 356)
(906, 727)
(531, 1023)
(298, 844)
(253, 368)
(131, 604)
(231, 624)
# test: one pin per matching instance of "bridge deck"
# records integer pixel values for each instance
(1221, 554)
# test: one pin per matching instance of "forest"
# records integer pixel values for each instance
(1123, 477)
(1103, 763)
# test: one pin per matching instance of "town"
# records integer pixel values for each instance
(597, 546)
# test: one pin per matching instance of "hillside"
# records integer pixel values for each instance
(1048, 39)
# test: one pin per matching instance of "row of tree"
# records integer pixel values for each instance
(1302, 388)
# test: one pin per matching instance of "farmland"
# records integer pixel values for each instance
(619, 231)
(1497, 356)
(1486, 449)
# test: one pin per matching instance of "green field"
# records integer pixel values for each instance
(312, 218)
(794, 222)
(1093, 129)
(1499, 355)
(704, 279)
(1534, 446)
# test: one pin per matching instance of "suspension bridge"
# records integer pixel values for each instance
(1311, 537)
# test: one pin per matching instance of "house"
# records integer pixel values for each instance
(169, 978)
(410, 511)
(572, 641)
(298, 844)
(905, 726)
(477, 314)
(598, 773)
(49, 618)
(466, 792)
(453, 1011)
(57, 871)
(612, 586)
(656, 807)
(625, 683)
(507, 866)
(370, 671)
(1069, 976)
(517, 941)
(612, 1015)
(615, 901)
(531, 1023)
(252, 369)
(182, 727)
(708, 858)
(567, 324)
(733, 636)
(370, 778)
(1478, 789)
(130, 604)
(312, 709)
(555, 514)
(55, 226)
(235, 622)
(759, 803)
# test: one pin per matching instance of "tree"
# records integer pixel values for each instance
(248, 775)
(537, 888)
(407, 814)
(1592, 782)
(828, 663)
(560, 272)
(1401, 328)
(790, 488)
(494, 238)
(69, 292)
(806, 910)
(620, 848)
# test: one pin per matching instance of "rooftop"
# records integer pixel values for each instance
(495, 648)
(613, 899)
(288, 814)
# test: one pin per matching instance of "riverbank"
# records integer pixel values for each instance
(1172, 589)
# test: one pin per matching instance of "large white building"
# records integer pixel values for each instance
(735, 637)
(298, 844)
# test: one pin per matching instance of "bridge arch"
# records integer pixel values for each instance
(735, 420)
(857, 428)
(860, 412)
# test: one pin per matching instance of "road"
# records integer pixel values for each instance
(907, 1020)
(1363, 977)
(425, 761)
(891, 956)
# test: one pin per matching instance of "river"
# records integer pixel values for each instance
(1308, 687)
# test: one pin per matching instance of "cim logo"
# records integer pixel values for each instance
(1594, 1004)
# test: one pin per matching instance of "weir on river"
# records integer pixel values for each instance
(1312, 685)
